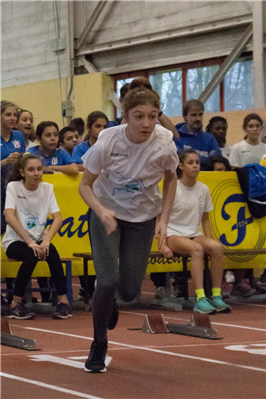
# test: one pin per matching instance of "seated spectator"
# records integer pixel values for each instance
(68, 139)
(53, 159)
(28, 202)
(190, 210)
(79, 125)
(192, 135)
(251, 150)
(218, 164)
(12, 144)
(96, 122)
(25, 125)
(218, 128)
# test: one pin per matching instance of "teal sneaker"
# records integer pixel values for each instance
(204, 306)
(221, 307)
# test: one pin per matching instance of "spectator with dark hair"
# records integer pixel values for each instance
(248, 151)
(191, 133)
(79, 125)
(68, 139)
(28, 202)
(218, 164)
(96, 122)
(191, 209)
(53, 159)
(218, 126)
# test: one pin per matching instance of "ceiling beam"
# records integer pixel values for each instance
(193, 29)
(90, 24)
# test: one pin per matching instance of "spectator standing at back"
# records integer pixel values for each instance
(191, 133)
(79, 125)
(218, 126)
(123, 91)
(250, 150)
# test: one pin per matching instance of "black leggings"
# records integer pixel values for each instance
(19, 250)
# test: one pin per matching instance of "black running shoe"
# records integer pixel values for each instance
(114, 316)
(96, 359)
(19, 312)
(62, 311)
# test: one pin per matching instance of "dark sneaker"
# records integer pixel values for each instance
(3, 301)
(262, 281)
(19, 312)
(62, 311)
(243, 289)
(161, 294)
(96, 359)
(81, 294)
(114, 316)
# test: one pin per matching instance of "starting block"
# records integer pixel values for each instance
(154, 324)
(8, 339)
(199, 326)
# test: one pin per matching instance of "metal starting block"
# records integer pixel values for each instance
(199, 326)
(7, 338)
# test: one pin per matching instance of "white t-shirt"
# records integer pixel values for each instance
(226, 151)
(189, 205)
(129, 173)
(30, 144)
(243, 153)
(32, 208)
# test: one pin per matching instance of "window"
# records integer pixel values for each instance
(187, 81)
(238, 86)
(169, 87)
(197, 81)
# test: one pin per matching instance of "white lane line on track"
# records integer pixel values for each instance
(148, 346)
(212, 322)
(49, 386)
(203, 359)
(251, 304)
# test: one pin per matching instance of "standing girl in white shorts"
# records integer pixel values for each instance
(191, 211)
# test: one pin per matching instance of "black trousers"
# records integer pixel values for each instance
(19, 250)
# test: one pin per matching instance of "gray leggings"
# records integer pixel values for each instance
(131, 243)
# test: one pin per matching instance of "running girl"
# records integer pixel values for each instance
(120, 185)
(53, 159)
(191, 209)
(28, 202)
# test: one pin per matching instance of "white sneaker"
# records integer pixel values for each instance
(229, 277)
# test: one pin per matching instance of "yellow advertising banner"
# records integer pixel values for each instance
(231, 221)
